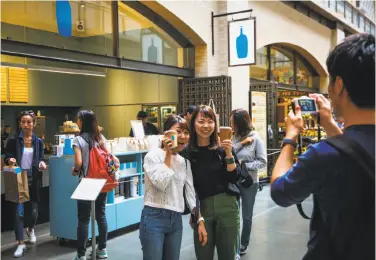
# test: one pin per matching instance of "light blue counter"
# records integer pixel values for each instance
(63, 209)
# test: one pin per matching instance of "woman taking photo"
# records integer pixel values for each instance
(89, 137)
(27, 151)
(250, 150)
(167, 176)
(215, 169)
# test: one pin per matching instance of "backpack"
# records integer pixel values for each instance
(353, 151)
(102, 166)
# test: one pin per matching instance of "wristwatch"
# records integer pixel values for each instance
(200, 219)
(289, 141)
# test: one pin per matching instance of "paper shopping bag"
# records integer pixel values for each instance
(212, 105)
(16, 184)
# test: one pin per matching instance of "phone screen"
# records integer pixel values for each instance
(307, 105)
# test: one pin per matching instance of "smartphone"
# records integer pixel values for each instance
(225, 133)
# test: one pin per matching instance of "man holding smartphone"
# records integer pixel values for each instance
(343, 218)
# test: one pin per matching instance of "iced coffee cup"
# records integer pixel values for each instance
(225, 133)
(172, 135)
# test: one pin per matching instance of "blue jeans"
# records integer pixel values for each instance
(248, 196)
(160, 233)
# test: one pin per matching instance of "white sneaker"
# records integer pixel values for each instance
(102, 254)
(20, 251)
(80, 258)
(31, 235)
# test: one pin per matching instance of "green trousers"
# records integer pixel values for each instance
(222, 223)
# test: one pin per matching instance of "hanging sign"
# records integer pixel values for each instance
(242, 42)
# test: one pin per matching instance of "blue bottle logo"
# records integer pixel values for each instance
(64, 18)
(242, 45)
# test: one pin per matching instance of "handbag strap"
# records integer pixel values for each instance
(212, 105)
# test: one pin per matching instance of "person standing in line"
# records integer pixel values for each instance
(26, 150)
(149, 129)
(167, 176)
(215, 170)
(251, 152)
(89, 137)
(189, 113)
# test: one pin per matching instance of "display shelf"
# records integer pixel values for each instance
(63, 210)
(130, 153)
(130, 176)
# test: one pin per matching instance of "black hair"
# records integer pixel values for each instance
(353, 61)
(191, 109)
(242, 122)
(89, 125)
(28, 113)
(173, 120)
(207, 112)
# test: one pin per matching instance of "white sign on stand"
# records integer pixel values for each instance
(138, 129)
(89, 189)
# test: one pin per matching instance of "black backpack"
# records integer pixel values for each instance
(351, 150)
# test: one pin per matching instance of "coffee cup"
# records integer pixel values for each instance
(172, 135)
(225, 133)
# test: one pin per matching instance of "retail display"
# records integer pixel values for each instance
(124, 204)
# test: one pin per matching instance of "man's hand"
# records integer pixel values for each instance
(202, 235)
(326, 118)
(294, 123)
(325, 109)
(74, 173)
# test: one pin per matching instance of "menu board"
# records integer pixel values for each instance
(259, 120)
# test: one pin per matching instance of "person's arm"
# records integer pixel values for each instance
(41, 162)
(235, 172)
(10, 152)
(77, 157)
(260, 161)
(190, 193)
(157, 171)
(296, 183)
(326, 118)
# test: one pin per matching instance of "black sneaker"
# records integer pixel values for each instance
(243, 250)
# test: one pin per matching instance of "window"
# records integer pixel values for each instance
(140, 39)
(260, 70)
(361, 22)
(84, 26)
(281, 62)
(340, 7)
(348, 12)
(303, 75)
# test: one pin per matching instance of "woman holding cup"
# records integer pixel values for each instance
(215, 170)
(167, 176)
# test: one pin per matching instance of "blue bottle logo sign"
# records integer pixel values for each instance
(64, 18)
(242, 45)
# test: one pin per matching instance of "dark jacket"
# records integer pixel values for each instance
(14, 149)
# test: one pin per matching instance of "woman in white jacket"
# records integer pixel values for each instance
(167, 176)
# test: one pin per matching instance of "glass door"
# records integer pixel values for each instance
(153, 115)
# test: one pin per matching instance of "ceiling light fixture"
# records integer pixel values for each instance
(55, 69)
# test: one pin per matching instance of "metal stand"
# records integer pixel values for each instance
(93, 238)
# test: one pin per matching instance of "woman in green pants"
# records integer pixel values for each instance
(215, 170)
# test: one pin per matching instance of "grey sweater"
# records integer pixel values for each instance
(254, 155)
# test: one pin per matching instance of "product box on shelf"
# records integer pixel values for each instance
(57, 150)
(127, 168)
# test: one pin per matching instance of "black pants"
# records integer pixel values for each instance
(20, 215)
(84, 209)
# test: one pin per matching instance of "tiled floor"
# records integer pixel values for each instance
(278, 234)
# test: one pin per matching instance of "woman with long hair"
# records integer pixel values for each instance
(89, 137)
(251, 152)
(168, 178)
(27, 151)
(215, 170)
